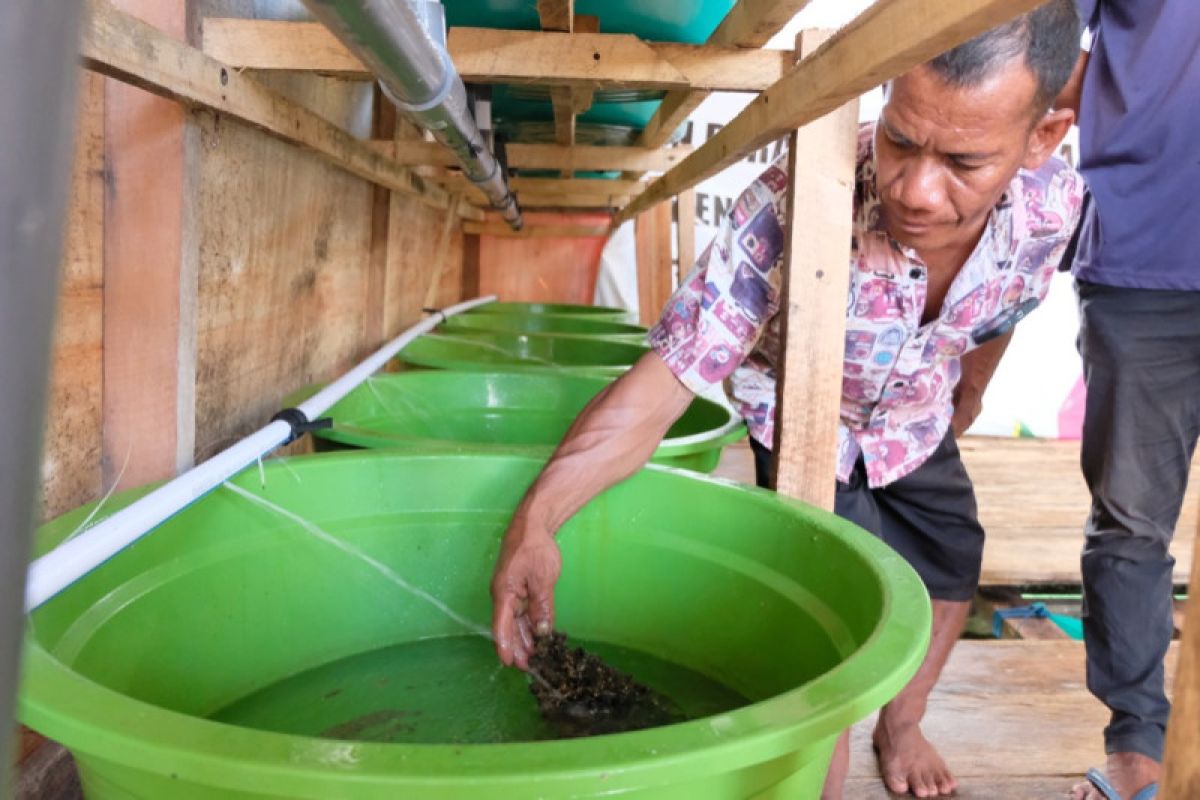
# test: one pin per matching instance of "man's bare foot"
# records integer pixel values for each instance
(1129, 773)
(909, 763)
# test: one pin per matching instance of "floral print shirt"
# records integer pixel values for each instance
(898, 374)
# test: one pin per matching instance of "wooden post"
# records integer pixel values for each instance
(441, 254)
(1181, 777)
(559, 15)
(821, 168)
(149, 403)
(653, 246)
(383, 126)
(685, 221)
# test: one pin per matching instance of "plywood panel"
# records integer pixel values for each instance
(541, 269)
(284, 264)
(71, 453)
(416, 250)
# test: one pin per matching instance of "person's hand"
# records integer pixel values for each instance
(967, 405)
(523, 591)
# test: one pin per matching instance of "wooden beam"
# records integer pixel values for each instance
(674, 110)
(582, 59)
(889, 38)
(610, 61)
(556, 15)
(535, 231)
(442, 255)
(559, 16)
(383, 125)
(579, 201)
(120, 46)
(749, 24)
(685, 222)
(556, 200)
(567, 102)
(653, 246)
(816, 277)
(564, 119)
(149, 376)
(1181, 777)
(583, 158)
(458, 183)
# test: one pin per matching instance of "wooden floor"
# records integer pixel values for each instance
(1013, 719)
(1032, 503)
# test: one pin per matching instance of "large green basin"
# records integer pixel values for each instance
(564, 324)
(810, 619)
(558, 309)
(521, 352)
(422, 407)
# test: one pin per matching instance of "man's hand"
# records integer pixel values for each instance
(612, 439)
(523, 591)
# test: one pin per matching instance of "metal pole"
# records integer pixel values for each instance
(38, 54)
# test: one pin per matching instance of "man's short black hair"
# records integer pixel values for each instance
(1047, 37)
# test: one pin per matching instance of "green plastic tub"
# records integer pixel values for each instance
(206, 660)
(521, 352)
(557, 309)
(482, 409)
(561, 324)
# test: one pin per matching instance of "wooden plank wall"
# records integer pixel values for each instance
(542, 269)
(71, 467)
(284, 264)
(283, 287)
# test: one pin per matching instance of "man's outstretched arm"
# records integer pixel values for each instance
(612, 438)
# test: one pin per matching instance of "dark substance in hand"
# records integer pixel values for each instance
(580, 695)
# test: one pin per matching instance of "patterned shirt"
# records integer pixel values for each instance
(898, 374)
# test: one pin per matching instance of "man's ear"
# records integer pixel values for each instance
(1046, 135)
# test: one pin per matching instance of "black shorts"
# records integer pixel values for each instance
(929, 517)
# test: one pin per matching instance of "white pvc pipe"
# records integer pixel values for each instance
(75, 558)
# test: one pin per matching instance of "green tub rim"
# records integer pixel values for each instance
(558, 309)
(733, 430)
(289, 765)
(627, 332)
(454, 362)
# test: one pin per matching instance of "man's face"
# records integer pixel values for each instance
(945, 154)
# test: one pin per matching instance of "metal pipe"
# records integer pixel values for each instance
(38, 46)
(402, 42)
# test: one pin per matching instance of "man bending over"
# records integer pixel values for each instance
(960, 218)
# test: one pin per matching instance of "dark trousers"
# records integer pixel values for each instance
(1141, 363)
(928, 517)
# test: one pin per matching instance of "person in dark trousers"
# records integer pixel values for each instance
(1137, 268)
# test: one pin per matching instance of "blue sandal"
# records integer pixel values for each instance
(1098, 779)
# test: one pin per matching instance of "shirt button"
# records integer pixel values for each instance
(916, 274)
